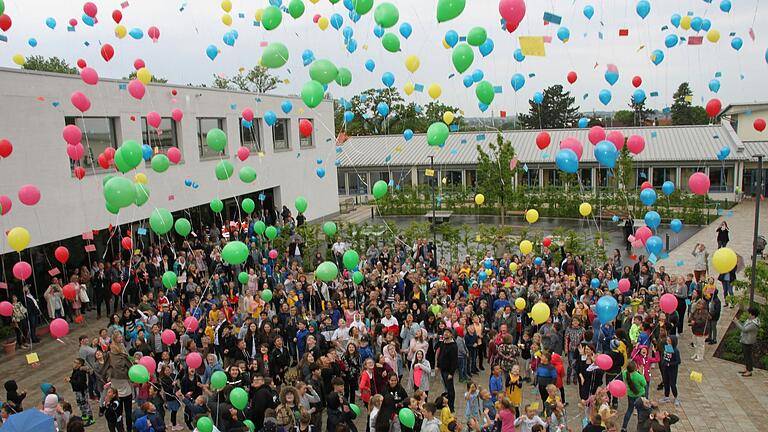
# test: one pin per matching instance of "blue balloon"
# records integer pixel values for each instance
(187, 182)
(589, 11)
(477, 75)
(643, 8)
(337, 21)
(736, 43)
(370, 65)
(234, 32)
(451, 38)
(675, 20)
(654, 245)
(378, 31)
(583, 123)
(320, 171)
(483, 107)
(766, 55)
(352, 46)
(270, 118)
(676, 225)
(307, 57)
(348, 116)
(407, 134)
(671, 40)
(615, 219)
(594, 283)
(347, 32)
(725, 6)
(286, 106)
(211, 51)
(696, 24)
(668, 188)
(354, 16)
(349, 4)
(606, 153)
(276, 3)
(605, 96)
(136, 33)
(388, 79)
(383, 109)
(146, 152)
(657, 57)
(518, 55)
(32, 42)
(563, 34)
(638, 96)
(246, 124)
(606, 309)
(518, 81)
(468, 81)
(482, 276)
(725, 151)
(538, 98)
(89, 21)
(706, 24)
(611, 76)
(405, 30)
(195, 185)
(714, 85)
(652, 219)
(229, 39)
(363, 98)
(537, 261)
(567, 161)
(487, 263)
(648, 196)
(486, 47)
(50, 22)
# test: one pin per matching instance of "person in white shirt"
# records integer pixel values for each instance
(341, 336)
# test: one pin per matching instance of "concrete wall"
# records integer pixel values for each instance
(746, 130)
(32, 115)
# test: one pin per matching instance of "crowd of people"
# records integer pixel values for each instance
(387, 352)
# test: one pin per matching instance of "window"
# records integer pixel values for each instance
(307, 142)
(203, 126)
(452, 178)
(642, 176)
(531, 178)
(427, 180)
(471, 178)
(721, 179)
(280, 137)
(341, 180)
(98, 135)
(660, 175)
(551, 177)
(380, 175)
(250, 137)
(357, 185)
(161, 138)
(401, 178)
(585, 175)
(685, 174)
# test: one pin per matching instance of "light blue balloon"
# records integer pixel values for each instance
(349, 4)
(354, 16)
(725, 151)
(737, 43)
(675, 20)
(706, 24)
(337, 21)
(652, 219)
(563, 34)
(146, 152)
(518, 81)
(468, 81)
(567, 161)
(378, 31)
(482, 276)
(589, 11)
(388, 79)
(270, 118)
(668, 188)
(246, 124)
(518, 55)
(348, 116)
(594, 283)
(320, 171)
(307, 57)
(451, 38)
(658, 57)
(583, 123)
(486, 47)
(406, 30)
(638, 96)
(88, 20)
(370, 65)
(32, 42)
(696, 24)
(276, 3)
(615, 218)
(212, 52)
(229, 39)
(648, 197)
(606, 309)
(487, 263)
(286, 106)
(347, 32)
(188, 182)
(383, 109)
(643, 8)
(483, 107)
(725, 6)
(50, 22)
(611, 76)
(606, 153)
(477, 75)
(136, 33)
(537, 261)
(654, 245)
(407, 134)
(352, 46)
(605, 96)
(538, 98)
(235, 33)
(676, 225)
(671, 40)
(714, 85)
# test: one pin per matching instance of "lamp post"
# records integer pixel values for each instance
(758, 197)
(434, 203)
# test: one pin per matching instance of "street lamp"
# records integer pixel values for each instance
(434, 203)
(758, 197)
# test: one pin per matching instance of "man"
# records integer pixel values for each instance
(447, 362)
(101, 289)
(261, 399)
(33, 315)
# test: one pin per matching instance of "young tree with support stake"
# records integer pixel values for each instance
(494, 171)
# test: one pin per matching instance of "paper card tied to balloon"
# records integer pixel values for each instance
(696, 376)
(32, 358)
(532, 46)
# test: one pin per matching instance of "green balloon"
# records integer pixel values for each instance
(216, 139)
(275, 55)
(462, 57)
(407, 418)
(477, 36)
(312, 93)
(205, 424)
(235, 252)
(355, 409)
(217, 205)
(142, 194)
(138, 374)
(247, 174)
(271, 17)
(170, 279)
(112, 209)
(295, 8)
(437, 134)
(251, 426)
(357, 277)
(449, 9)
(183, 227)
(106, 178)
(218, 380)
(2, 7)
(271, 232)
(119, 192)
(329, 228)
(391, 42)
(386, 15)
(248, 205)
(326, 271)
(224, 170)
(484, 92)
(351, 259)
(161, 221)
(362, 7)
(132, 153)
(242, 277)
(160, 163)
(380, 189)
(301, 204)
(238, 398)
(120, 162)
(323, 71)
(266, 295)
(344, 78)
(259, 227)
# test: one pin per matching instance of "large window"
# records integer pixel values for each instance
(380, 175)
(341, 179)
(424, 179)
(357, 184)
(685, 174)
(642, 176)
(471, 178)
(585, 175)
(250, 137)
(606, 178)
(530, 178)
(402, 178)
(308, 142)
(161, 138)
(660, 175)
(721, 179)
(551, 178)
(452, 178)
(280, 135)
(203, 126)
(98, 134)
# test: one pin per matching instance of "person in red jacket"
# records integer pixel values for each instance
(557, 362)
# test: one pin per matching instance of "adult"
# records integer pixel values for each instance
(115, 371)
(700, 262)
(447, 362)
(749, 330)
(722, 235)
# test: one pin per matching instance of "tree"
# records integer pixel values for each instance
(623, 118)
(557, 110)
(640, 112)
(683, 112)
(494, 175)
(257, 80)
(50, 64)
(132, 76)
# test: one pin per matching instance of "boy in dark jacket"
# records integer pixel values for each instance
(13, 396)
(79, 382)
(669, 364)
(715, 307)
(339, 411)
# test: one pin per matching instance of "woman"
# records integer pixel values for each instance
(418, 379)
(352, 363)
(395, 398)
(722, 235)
(748, 339)
(635, 389)
(113, 411)
(589, 377)
(289, 410)
(698, 322)
(418, 343)
(116, 365)
(392, 358)
(700, 265)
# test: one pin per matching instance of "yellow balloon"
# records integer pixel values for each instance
(520, 303)
(585, 209)
(513, 267)
(479, 199)
(226, 5)
(144, 75)
(724, 260)
(408, 88)
(540, 313)
(526, 247)
(532, 216)
(18, 238)
(434, 91)
(488, 272)
(120, 31)
(19, 59)
(685, 22)
(140, 178)
(448, 117)
(314, 1)
(322, 23)
(713, 36)
(226, 19)
(257, 15)
(412, 63)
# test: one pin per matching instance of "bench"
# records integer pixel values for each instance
(440, 216)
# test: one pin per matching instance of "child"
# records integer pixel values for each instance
(506, 415)
(14, 397)
(373, 411)
(169, 387)
(557, 420)
(192, 409)
(305, 423)
(488, 405)
(495, 383)
(535, 359)
(431, 424)
(670, 362)
(79, 382)
(644, 338)
(463, 354)
(595, 425)
(529, 420)
(553, 398)
(546, 374)
(514, 389)
(472, 396)
(113, 411)
(644, 360)
(525, 354)
(662, 421)
(446, 417)
(634, 331)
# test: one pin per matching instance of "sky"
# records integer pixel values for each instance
(188, 27)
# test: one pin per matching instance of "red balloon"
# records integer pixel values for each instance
(194, 360)
(643, 234)
(572, 77)
(547, 241)
(75, 152)
(174, 92)
(109, 152)
(59, 328)
(243, 153)
(62, 254)
(29, 194)
(247, 114)
(138, 64)
(6, 309)
(69, 291)
(80, 101)
(5, 22)
(116, 288)
(617, 138)
(81, 63)
(107, 52)
(573, 144)
(72, 22)
(759, 125)
(177, 115)
(191, 324)
(713, 107)
(153, 33)
(22, 270)
(168, 337)
(103, 161)
(79, 172)
(127, 243)
(6, 148)
(646, 185)
(668, 303)
(543, 140)
(90, 9)
(174, 155)
(305, 128)
(637, 81)
(5, 205)
(117, 16)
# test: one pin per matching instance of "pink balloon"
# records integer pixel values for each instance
(72, 134)
(624, 285)
(617, 388)
(698, 183)
(168, 337)
(617, 138)
(90, 9)
(22, 270)
(153, 33)
(643, 234)
(75, 152)
(136, 89)
(174, 155)
(89, 76)
(149, 363)
(138, 64)
(243, 153)
(573, 144)
(247, 114)
(80, 101)
(194, 360)
(604, 361)
(177, 115)
(6, 309)
(153, 119)
(5, 205)
(668, 303)
(273, 254)
(513, 12)
(29, 195)
(596, 134)
(635, 144)
(59, 328)
(191, 324)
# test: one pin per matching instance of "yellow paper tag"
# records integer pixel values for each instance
(535, 406)
(32, 358)
(689, 98)
(532, 46)
(696, 376)
(429, 173)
